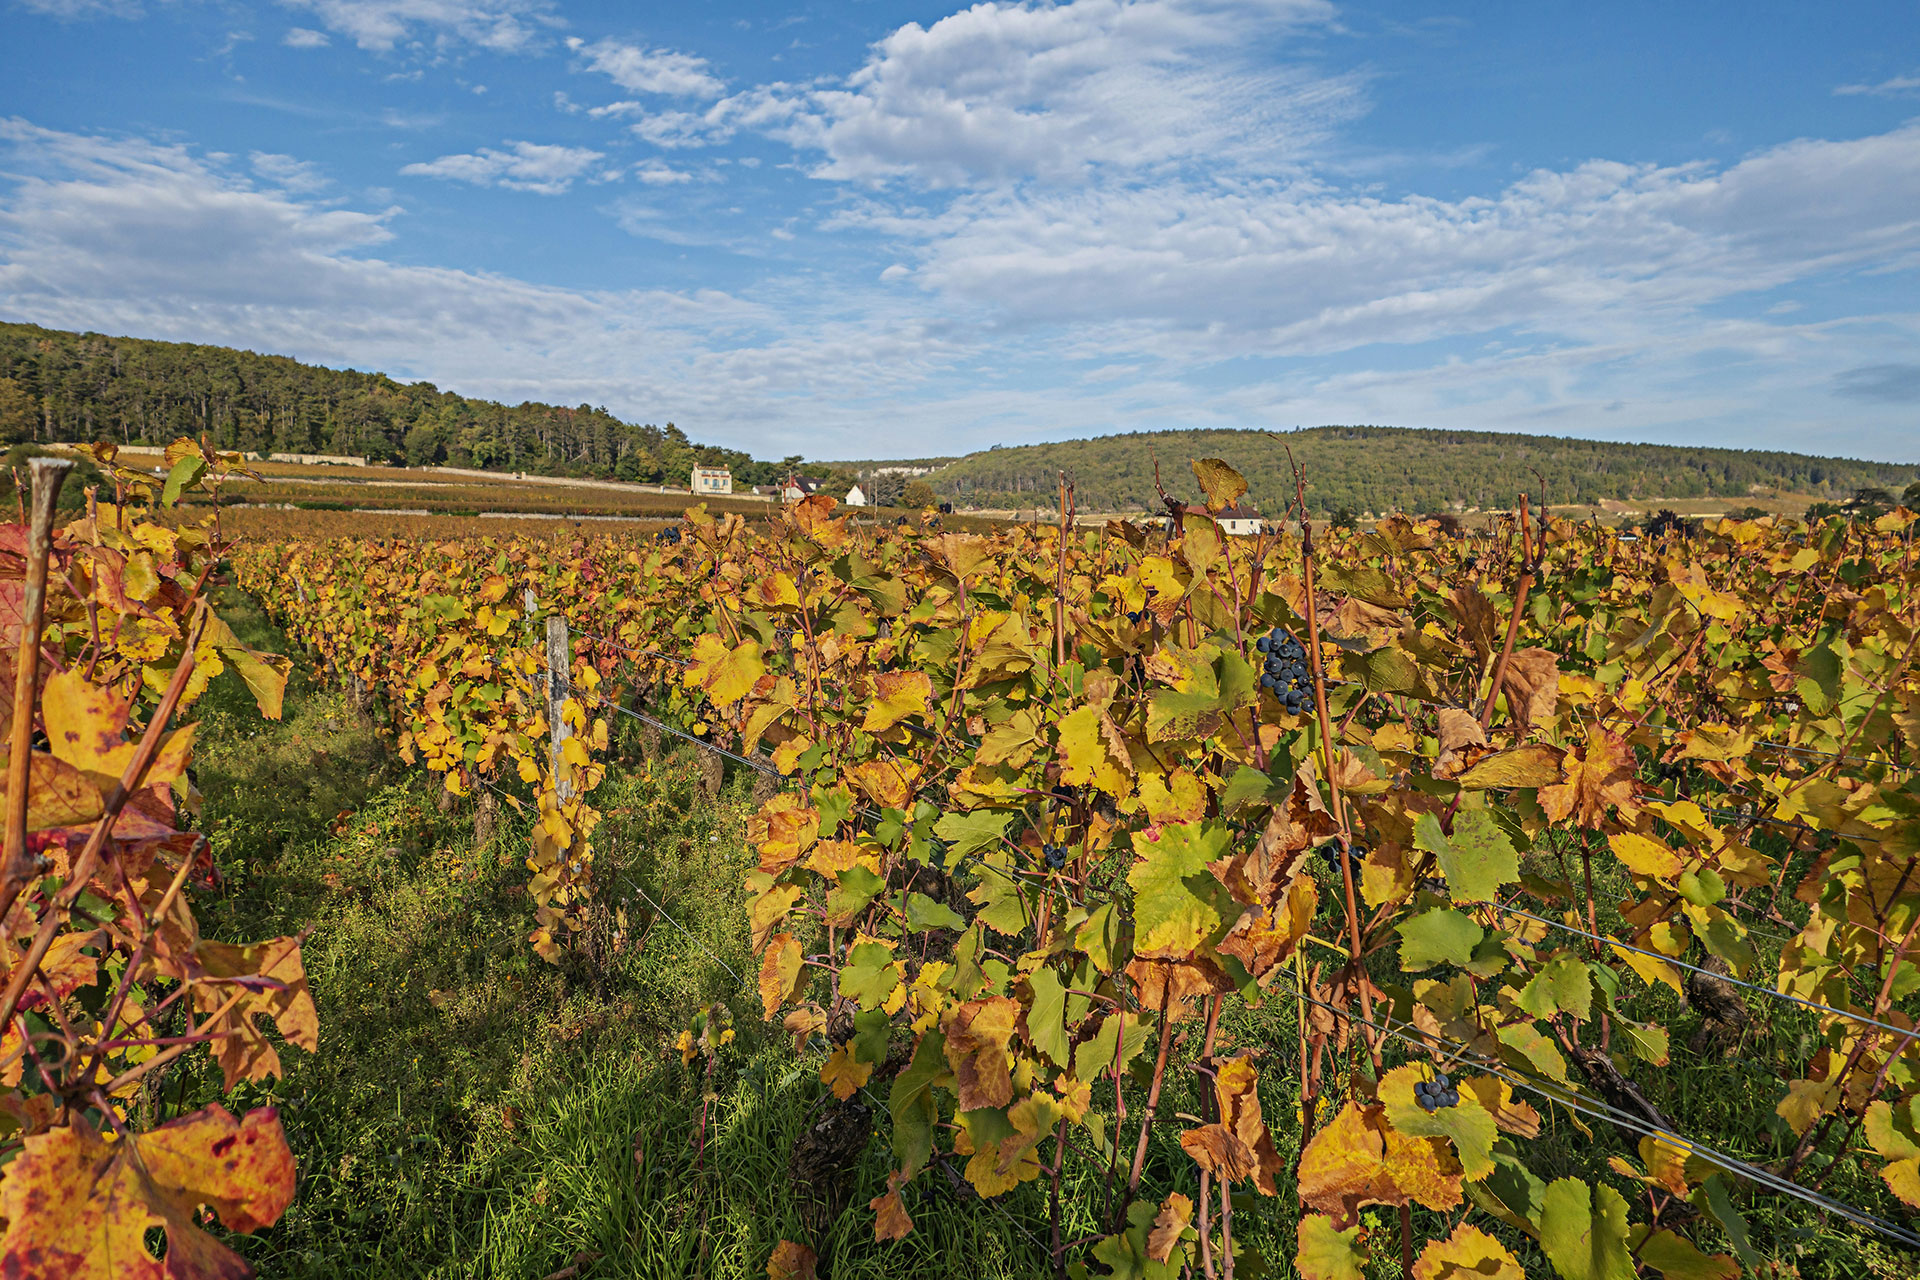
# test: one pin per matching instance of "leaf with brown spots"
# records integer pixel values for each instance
(1168, 1226)
(79, 1207)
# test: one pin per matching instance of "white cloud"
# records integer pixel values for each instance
(655, 173)
(298, 176)
(1289, 269)
(658, 71)
(1893, 87)
(525, 166)
(305, 38)
(1002, 92)
(503, 26)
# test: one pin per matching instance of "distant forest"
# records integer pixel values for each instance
(56, 385)
(1383, 469)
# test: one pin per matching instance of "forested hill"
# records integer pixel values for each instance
(1394, 468)
(56, 385)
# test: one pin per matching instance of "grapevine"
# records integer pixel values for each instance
(109, 983)
(1109, 742)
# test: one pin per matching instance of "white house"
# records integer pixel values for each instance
(1240, 520)
(798, 487)
(712, 480)
(856, 497)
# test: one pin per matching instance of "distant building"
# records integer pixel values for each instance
(317, 459)
(1244, 521)
(797, 487)
(856, 497)
(712, 480)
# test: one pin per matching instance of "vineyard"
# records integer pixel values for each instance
(1363, 904)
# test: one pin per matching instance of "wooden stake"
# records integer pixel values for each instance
(559, 677)
(18, 867)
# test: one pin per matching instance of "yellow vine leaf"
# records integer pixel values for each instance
(1468, 1254)
(897, 695)
(780, 971)
(726, 675)
(843, 1073)
(977, 1033)
(1359, 1159)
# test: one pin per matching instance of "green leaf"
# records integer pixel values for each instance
(870, 1035)
(1092, 1057)
(869, 975)
(1328, 1253)
(1441, 936)
(856, 888)
(1047, 1016)
(1583, 1234)
(1525, 1047)
(925, 913)
(1247, 786)
(1720, 1205)
(1177, 903)
(1002, 899)
(1476, 860)
(911, 1102)
(186, 473)
(1678, 1259)
(1100, 938)
(967, 833)
(1562, 985)
(1173, 715)
(1385, 670)
(1511, 1193)
(1468, 1125)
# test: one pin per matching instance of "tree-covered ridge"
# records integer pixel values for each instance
(1384, 469)
(56, 385)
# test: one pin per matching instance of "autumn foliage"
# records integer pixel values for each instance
(1544, 769)
(110, 639)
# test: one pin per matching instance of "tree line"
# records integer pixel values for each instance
(1381, 469)
(61, 386)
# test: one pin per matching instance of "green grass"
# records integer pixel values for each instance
(474, 1111)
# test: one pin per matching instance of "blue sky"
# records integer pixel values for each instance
(887, 229)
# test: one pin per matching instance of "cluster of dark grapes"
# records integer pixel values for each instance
(1334, 850)
(670, 535)
(1436, 1093)
(1056, 855)
(1138, 617)
(1285, 674)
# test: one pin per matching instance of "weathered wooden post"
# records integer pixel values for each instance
(559, 677)
(19, 865)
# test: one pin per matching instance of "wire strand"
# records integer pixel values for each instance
(1602, 1110)
(1738, 982)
